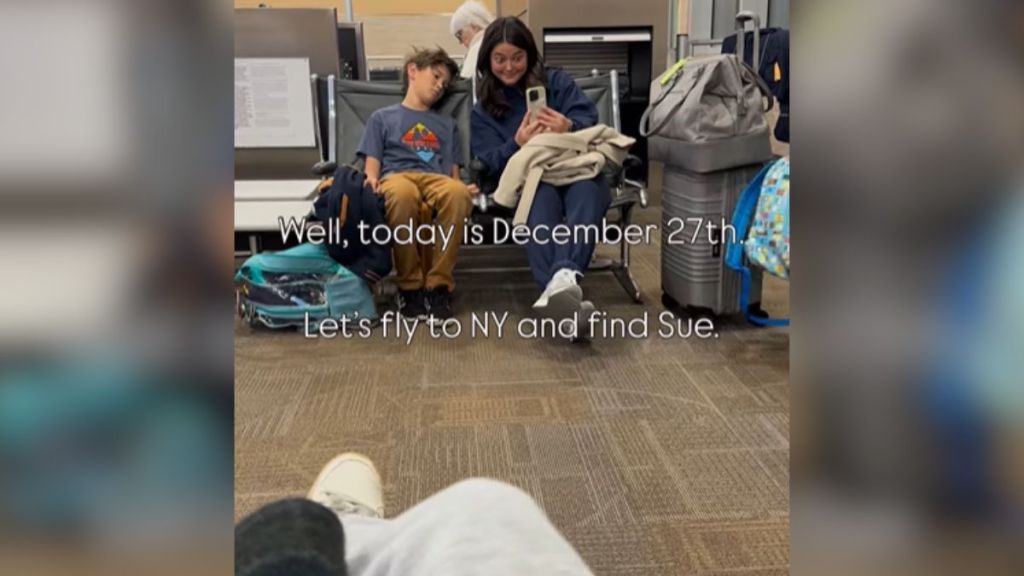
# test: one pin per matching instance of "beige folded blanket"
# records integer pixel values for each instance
(558, 159)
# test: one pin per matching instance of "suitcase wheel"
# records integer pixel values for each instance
(668, 301)
(756, 311)
(247, 314)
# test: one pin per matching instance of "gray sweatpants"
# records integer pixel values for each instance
(473, 527)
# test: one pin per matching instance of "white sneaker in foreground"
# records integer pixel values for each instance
(562, 296)
(349, 484)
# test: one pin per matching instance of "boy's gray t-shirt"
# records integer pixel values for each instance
(406, 140)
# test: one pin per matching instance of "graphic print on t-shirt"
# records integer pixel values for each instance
(422, 141)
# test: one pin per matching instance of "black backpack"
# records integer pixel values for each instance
(351, 202)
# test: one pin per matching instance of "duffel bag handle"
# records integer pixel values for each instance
(761, 85)
(743, 70)
(645, 119)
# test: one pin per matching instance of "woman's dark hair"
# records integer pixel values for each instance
(511, 30)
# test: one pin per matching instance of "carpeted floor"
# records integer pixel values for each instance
(653, 456)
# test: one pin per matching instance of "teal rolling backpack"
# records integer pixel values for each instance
(283, 289)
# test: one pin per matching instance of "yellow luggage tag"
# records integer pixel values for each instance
(671, 72)
(777, 72)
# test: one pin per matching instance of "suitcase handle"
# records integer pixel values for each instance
(755, 55)
(741, 37)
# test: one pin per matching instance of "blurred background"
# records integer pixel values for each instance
(908, 382)
(116, 310)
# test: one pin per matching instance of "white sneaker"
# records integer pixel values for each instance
(562, 296)
(349, 484)
(583, 333)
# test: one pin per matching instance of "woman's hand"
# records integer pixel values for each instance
(527, 130)
(553, 121)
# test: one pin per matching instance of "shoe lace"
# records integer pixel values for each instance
(342, 505)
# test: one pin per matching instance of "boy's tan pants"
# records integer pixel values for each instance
(417, 197)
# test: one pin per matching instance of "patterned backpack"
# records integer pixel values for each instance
(761, 221)
(767, 245)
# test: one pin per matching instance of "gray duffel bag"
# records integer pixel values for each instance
(709, 117)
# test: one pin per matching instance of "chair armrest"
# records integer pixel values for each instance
(480, 175)
(477, 170)
(613, 174)
(641, 190)
(324, 169)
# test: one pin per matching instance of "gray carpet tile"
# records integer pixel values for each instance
(653, 456)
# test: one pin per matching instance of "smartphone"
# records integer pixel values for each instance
(536, 98)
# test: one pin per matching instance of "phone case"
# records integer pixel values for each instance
(532, 107)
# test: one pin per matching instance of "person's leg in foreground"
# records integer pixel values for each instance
(304, 537)
(290, 538)
(476, 526)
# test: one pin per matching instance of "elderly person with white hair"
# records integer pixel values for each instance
(468, 23)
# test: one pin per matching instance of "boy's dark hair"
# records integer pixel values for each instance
(512, 30)
(425, 58)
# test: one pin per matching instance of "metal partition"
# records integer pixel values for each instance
(626, 52)
(285, 33)
(352, 51)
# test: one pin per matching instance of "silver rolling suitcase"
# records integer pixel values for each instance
(696, 223)
(705, 175)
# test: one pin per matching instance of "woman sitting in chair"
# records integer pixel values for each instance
(509, 64)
